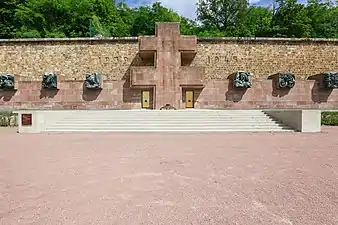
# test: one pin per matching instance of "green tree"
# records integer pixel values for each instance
(8, 21)
(126, 19)
(53, 16)
(321, 14)
(97, 28)
(188, 26)
(334, 21)
(290, 19)
(258, 21)
(69, 18)
(147, 16)
(74, 18)
(222, 15)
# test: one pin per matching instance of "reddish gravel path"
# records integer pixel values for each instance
(230, 178)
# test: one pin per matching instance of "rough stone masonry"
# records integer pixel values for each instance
(167, 65)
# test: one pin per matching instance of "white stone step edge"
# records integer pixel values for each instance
(166, 122)
(169, 131)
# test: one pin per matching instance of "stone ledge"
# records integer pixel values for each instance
(264, 39)
(199, 39)
(304, 120)
(85, 39)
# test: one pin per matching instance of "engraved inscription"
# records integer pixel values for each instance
(26, 119)
(116, 59)
(219, 59)
(121, 60)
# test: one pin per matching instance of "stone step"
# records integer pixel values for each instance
(164, 116)
(157, 110)
(191, 130)
(164, 125)
(201, 123)
(181, 118)
(165, 113)
(159, 113)
(206, 121)
(170, 120)
(166, 121)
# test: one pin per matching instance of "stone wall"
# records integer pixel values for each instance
(72, 58)
(265, 57)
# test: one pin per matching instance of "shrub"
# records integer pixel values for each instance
(8, 119)
(330, 118)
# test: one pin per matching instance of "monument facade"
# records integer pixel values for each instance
(168, 71)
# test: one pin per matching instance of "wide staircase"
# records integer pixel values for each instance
(166, 121)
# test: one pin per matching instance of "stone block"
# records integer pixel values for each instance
(306, 120)
(143, 76)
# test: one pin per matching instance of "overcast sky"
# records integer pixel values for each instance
(185, 8)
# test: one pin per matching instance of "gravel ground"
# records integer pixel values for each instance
(8, 130)
(228, 178)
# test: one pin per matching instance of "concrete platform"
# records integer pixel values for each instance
(167, 121)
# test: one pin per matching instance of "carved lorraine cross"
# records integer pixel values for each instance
(168, 77)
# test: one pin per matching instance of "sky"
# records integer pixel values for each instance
(186, 8)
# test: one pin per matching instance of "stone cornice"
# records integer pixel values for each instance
(200, 39)
(265, 39)
(81, 39)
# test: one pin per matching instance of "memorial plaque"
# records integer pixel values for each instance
(286, 80)
(242, 80)
(93, 81)
(26, 119)
(331, 80)
(7, 81)
(50, 80)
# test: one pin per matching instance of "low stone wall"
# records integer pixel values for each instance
(71, 95)
(216, 94)
(300, 120)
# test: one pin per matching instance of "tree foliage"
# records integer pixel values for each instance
(84, 18)
(223, 15)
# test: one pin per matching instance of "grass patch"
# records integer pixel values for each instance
(8, 119)
(330, 118)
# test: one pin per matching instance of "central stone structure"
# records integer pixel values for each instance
(169, 78)
(283, 83)
(168, 71)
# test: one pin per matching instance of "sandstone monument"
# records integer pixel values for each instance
(168, 68)
(168, 71)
